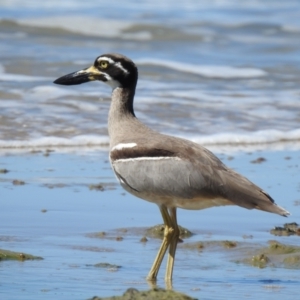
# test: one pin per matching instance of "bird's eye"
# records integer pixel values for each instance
(103, 64)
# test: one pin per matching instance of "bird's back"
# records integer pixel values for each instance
(180, 173)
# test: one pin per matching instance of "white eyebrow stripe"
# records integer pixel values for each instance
(111, 61)
(108, 59)
(119, 65)
(123, 145)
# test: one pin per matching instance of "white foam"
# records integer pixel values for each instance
(88, 26)
(54, 91)
(21, 78)
(258, 137)
(45, 92)
(291, 28)
(80, 24)
(44, 142)
(226, 72)
(265, 139)
(2, 69)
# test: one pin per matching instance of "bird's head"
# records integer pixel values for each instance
(114, 69)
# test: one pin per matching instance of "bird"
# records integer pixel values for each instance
(169, 171)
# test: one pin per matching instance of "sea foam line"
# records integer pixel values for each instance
(264, 138)
(100, 27)
(252, 138)
(226, 72)
(44, 142)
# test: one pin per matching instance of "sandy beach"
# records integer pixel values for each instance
(69, 209)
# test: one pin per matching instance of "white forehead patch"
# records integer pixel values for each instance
(108, 59)
(111, 61)
(123, 145)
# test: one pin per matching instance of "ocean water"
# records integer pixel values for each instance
(218, 72)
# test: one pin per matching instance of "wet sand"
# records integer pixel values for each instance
(68, 209)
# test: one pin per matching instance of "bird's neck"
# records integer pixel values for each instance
(121, 110)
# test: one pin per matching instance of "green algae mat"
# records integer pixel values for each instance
(20, 256)
(161, 294)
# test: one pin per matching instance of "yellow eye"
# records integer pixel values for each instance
(103, 64)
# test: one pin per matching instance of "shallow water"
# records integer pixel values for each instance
(219, 72)
(59, 183)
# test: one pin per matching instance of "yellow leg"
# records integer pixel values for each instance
(170, 239)
(173, 245)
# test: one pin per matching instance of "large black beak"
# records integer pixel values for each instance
(85, 75)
